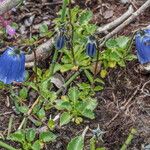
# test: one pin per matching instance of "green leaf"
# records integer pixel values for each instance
(32, 85)
(36, 145)
(131, 57)
(64, 8)
(18, 136)
(51, 124)
(111, 44)
(66, 67)
(23, 109)
(84, 86)
(76, 143)
(85, 17)
(102, 148)
(62, 105)
(122, 41)
(41, 113)
(53, 96)
(23, 93)
(103, 73)
(92, 143)
(73, 94)
(91, 103)
(98, 88)
(91, 28)
(30, 135)
(121, 63)
(47, 136)
(88, 113)
(65, 118)
(43, 28)
(99, 81)
(89, 76)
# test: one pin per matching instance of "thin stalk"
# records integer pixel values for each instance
(53, 62)
(35, 66)
(129, 139)
(10, 125)
(64, 8)
(85, 131)
(6, 146)
(68, 82)
(72, 33)
(35, 60)
(28, 113)
(97, 61)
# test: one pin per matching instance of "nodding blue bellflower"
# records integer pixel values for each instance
(12, 66)
(60, 39)
(60, 42)
(91, 47)
(142, 43)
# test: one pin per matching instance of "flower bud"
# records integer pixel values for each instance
(60, 42)
(91, 47)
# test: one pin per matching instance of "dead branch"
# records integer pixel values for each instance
(29, 64)
(42, 51)
(7, 5)
(113, 24)
(127, 22)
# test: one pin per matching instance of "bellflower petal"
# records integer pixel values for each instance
(60, 42)
(142, 43)
(91, 49)
(12, 66)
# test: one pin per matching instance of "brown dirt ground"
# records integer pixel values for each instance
(121, 85)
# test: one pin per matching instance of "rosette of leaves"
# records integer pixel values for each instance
(117, 52)
(74, 107)
(29, 139)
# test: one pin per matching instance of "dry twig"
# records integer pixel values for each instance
(111, 25)
(42, 51)
(7, 5)
(127, 22)
(28, 113)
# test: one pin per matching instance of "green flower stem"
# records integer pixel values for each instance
(68, 82)
(72, 33)
(97, 60)
(35, 66)
(129, 139)
(6, 146)
(64, 8)
(10, 125)
(53, 62)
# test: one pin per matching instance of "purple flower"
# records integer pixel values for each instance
(10, 30)
(1, 1)
(12, 66)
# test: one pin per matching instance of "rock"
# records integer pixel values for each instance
(108, 14)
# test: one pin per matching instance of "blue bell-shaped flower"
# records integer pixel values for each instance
(12, 66)
(60, 42)
(142, 42)
(91, 47)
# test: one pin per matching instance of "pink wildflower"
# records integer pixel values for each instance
(10, 30)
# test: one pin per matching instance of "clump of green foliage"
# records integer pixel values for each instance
(77, 101)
